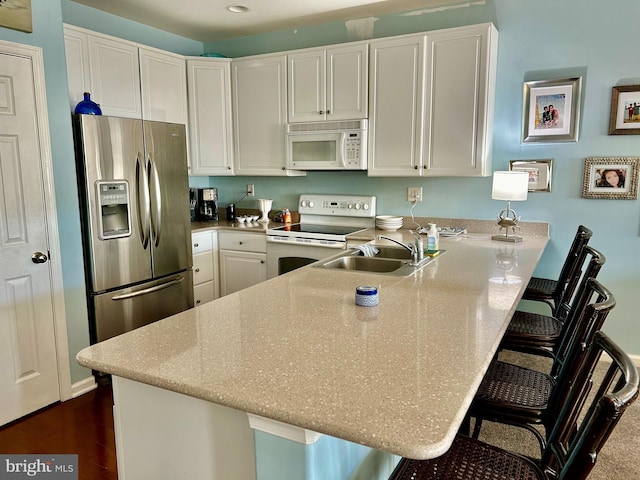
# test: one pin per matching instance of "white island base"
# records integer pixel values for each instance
(162, 434)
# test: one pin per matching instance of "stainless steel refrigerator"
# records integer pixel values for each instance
(134, 192)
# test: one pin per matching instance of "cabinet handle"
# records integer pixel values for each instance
(197, 270)
(424, 167)
(415, 167)
(328, 112)
(321, 112)
(197, 301)
(229, 168)
(196, 245)
(262, 261)
(241, 242)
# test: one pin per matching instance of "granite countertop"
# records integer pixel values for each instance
(398, 377)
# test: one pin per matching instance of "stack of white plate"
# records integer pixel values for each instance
(388, 222)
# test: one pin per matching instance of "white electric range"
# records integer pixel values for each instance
(325, 223)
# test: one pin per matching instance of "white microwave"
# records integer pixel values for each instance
(327, 145)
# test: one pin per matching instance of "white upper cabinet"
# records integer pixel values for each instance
(125, 78)
(431, 103)
(259, 102)
(396, 97)
(461, 73)
(210, 118)
(76, 46)
(163, 78)
(328, 83)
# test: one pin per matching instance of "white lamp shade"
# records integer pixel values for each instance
(512, 186)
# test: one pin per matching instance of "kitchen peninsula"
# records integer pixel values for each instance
(341, 383)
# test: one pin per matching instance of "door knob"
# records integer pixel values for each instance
(39, 257)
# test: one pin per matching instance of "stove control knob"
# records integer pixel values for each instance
(350, 206)
(365, 206)
(311, 204)
(357, 206)
(303, 203)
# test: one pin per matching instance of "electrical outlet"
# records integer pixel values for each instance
(414, 194)
(250, 190)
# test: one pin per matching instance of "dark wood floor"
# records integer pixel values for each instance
(83, 426)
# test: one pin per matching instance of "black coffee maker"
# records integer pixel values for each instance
(207, 205)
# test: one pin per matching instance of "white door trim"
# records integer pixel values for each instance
(55, 263)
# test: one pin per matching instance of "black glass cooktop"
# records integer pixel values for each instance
(322, 229)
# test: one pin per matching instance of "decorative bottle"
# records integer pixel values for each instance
(88, 106)
(433, 238)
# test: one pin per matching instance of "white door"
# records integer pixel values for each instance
(28, 360)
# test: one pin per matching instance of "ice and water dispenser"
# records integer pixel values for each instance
(114, 210)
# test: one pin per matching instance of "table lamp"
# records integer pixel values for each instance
(512, 187)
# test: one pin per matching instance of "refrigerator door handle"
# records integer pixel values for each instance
(143, 200)
(146, 291)
(156, 213)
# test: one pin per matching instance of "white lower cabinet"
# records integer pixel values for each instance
(205, 274)
(243, 260)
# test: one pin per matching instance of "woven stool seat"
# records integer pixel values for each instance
(532, 327)
(507, 385)
(469, 459)
(540, 288)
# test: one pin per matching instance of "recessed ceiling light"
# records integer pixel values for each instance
(238, 8)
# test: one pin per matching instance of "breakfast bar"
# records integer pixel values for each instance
(331, 389)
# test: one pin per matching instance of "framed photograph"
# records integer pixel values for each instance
(16, 14)
(551, 110)
(625, 110)
(611, 178)
(539, 173)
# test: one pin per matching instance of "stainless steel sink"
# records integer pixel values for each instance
(366, 264)
(387, 261)
(393, 252)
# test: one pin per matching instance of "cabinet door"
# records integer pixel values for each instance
(239, 270)
(395, 106)
(163, 79)
(306, 86)
(115, 76)
(461, 72)
(259, 97)
(76, 46)
(209, 87)
(347, 82)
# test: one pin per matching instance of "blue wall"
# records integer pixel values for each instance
(545, 39)
(548, 36)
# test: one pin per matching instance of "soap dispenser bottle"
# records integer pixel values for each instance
(433, 238)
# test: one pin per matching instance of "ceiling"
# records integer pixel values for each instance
(210, 21)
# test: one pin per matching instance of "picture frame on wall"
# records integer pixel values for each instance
(16, 14)
(625, 110)
(551, 110)
(614, 178)
(539, 173)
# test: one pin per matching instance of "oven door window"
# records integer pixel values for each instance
(288, 264)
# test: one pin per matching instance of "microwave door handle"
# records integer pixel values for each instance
(156, 212)
(142, 200)
(343, 154)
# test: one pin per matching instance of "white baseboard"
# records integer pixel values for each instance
(83, 386)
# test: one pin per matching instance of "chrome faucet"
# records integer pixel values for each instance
(416, 249)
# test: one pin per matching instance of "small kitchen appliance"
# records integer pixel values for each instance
(327, 145)
(325, 223)
(207, 204)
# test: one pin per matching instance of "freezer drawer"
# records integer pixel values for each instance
(123, 310)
